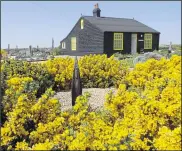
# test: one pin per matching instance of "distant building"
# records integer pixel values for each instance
(25, 54)
(108, 35)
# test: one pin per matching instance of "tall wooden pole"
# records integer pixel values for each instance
(169, 50)
(8, 48)
(76, 86)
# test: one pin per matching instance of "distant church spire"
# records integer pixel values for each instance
(52, 43)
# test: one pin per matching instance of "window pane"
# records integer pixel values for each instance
(118, 41)
(82, 24)
(148, 41)
(63, 45)
(73, 43)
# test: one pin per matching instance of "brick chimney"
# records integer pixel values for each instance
(96, 11)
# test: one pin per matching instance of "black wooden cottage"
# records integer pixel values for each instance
(98, 35)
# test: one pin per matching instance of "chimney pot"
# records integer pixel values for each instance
(97, 5)
(96, 11)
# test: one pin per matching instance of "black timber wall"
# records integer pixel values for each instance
(109, 38)
(89, 40)
(155, 41)
(108, 43)
(140, 42)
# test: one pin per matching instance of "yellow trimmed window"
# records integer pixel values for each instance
(82, 23)
(73, 43)
(118, 41)
(148, 41)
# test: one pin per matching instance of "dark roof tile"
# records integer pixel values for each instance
(119, 24)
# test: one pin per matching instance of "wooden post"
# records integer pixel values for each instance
(170, 47)
(8, 48)
(31, 51)
(169, 50)
(76, 86)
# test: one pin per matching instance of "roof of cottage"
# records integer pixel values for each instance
(111, 24)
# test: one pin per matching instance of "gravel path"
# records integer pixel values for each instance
(96, 100)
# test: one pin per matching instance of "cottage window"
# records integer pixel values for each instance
(73, 43)
(148, 41)
(63, 45)
(82, 23)
(118, 41)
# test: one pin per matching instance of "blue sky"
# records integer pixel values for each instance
(35, 23)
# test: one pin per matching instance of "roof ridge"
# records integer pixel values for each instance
(122, 25)
(109, 17)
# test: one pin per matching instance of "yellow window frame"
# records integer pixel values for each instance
(118, 41)
(73, 43)
(82, 23)
(147, 41)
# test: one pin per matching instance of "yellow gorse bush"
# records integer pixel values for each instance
(61, 69)
(36, 71)
(16, 86)
(156, 72)
(95, 71)
(100, 71)
(29, 114)
(168, 139)
(3, 54)
(144, 114)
